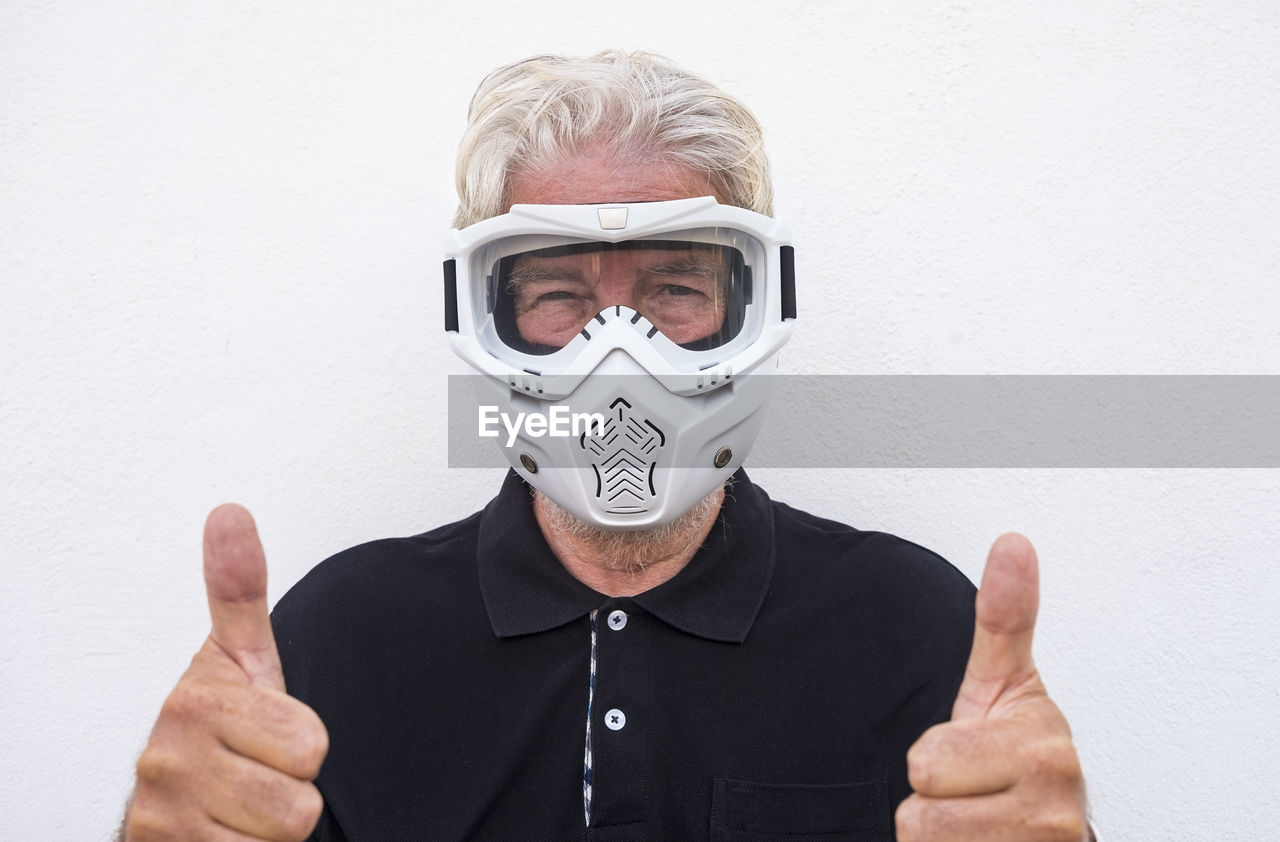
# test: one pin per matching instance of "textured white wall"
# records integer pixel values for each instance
(219, 228)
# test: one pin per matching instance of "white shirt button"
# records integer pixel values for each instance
(615, 720)
(618, 620)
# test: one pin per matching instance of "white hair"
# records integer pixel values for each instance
(641, 106)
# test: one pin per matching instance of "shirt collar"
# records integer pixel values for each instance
(716, 596)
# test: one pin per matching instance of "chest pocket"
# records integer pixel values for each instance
(743, 810)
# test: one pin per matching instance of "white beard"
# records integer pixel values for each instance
(632, 551)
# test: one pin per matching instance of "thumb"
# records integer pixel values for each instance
(235, 578)
(1000, 666)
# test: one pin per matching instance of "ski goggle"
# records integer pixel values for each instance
(704, 280)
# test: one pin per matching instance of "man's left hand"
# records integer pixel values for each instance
(1004, 767)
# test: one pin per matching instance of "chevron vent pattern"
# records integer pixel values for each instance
(624, 454)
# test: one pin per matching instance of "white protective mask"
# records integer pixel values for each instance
(660, 321)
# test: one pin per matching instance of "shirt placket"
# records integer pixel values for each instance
(618, 734)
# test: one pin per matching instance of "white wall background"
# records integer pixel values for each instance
(219, 228)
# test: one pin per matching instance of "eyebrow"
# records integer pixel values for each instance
(531, 275)
(687, 266)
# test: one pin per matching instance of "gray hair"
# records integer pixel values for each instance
(547, 108)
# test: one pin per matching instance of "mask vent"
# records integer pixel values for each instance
(623, 455)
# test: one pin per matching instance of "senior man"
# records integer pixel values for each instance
(631, 641)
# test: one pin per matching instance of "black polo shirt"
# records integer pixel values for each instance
(770, 690)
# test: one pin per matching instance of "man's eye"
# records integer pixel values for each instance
(556, 295)
(678, 290)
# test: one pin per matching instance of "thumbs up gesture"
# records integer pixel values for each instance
(231, 755)
(1004, 767)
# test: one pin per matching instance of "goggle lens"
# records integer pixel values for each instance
(694, 293)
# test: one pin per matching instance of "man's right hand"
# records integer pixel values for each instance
(231, 755)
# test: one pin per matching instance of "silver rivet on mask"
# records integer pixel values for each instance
(723, 455)
(531, 466)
